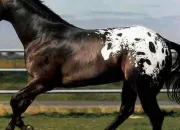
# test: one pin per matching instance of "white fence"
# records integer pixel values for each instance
(77, 91)
(59, 91)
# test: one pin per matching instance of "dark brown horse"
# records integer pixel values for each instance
(60, 54)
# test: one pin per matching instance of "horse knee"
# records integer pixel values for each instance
(15, 99)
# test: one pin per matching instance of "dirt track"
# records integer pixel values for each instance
(92, 103)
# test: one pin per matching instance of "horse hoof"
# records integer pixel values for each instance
(29, 127)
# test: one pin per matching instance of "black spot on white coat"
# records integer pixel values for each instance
(152, 47)
(149, 34)
(119, 34)
(140, 53)
(137, 39)
(109, 46)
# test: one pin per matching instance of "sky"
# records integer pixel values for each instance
(162, 16)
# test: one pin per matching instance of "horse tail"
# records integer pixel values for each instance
(173, 82)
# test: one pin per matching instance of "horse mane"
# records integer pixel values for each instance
(38, 7)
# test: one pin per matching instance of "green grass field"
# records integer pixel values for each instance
(57, 122)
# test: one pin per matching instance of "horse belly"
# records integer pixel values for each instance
(108, 76)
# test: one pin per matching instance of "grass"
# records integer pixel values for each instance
(6, 110)
(82, 110)
(12, 63)
(89, 122)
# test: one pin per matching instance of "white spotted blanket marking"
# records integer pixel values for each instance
(144, 45)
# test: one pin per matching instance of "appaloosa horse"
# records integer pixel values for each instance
(60, 54)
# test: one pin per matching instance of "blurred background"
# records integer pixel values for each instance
(162, 16)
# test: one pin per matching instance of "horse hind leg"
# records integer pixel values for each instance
(21, 101)
(147, 96)
(127, 107)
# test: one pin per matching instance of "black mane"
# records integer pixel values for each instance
(38, 7)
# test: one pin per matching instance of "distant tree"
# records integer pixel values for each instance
(1, 55)
(11, 53)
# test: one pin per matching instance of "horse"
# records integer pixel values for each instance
(57, 53)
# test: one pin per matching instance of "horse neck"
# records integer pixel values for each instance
(30, 26)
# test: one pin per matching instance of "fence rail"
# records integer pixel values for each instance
(11, 50)
(13, 70)
(58, 91)
(77, 91)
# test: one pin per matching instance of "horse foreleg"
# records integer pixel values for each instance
(21, 101)
(16, 118)
(127, 106)
(19, 121)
